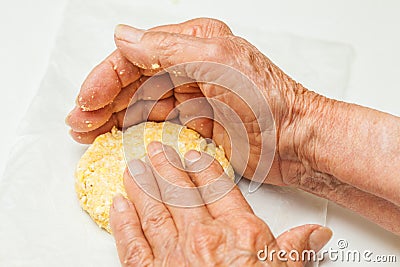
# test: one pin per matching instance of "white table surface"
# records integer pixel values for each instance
(28, 30)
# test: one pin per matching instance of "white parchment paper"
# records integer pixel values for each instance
(41, 223)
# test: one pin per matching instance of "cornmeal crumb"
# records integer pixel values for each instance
(155, 66)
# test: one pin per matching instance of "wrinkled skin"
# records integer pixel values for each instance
(319, 146)
(106, 92)
(149, 232)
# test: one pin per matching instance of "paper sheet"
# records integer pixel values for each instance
(41, 222)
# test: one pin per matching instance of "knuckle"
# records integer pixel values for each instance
(205, 237)
(214, 27)
(208, 171)
(221, 26)
(134, 255)
(160, 162)
(164, 43)
(164, 40)
(124, 225)
(165, 168)
(148, 187)
(168, 45)
(249, 225)
(249, 229)
(242, 46)
(219, 48)
(174, 194)
(172, 189)
(155, 220)
(167, 159)
(171, 257)
(153, 37)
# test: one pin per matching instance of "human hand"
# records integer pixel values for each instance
(101, 103)
(303, 137)
(150, 230)
(108, 89)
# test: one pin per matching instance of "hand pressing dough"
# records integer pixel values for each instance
(99, 174)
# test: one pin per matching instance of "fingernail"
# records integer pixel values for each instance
(136, 167)
(120, 203)
(319, 238)
(191, 157)
(127, 33)
(154, 148)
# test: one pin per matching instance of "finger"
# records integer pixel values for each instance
(241, 110)
(86, 121)
(221, 138)
(182, 97)
(122, 100)
(201, 125)
(157, 223)
(219, 192)
(186, 88)
(115, 72)
(141, 111)
(184, 84)
(200, 27)
(145, 110)
(156, 88)
(306, 237)
(160, 49)
(105, 81)
(154, 50)
(89, 137)
(161, 111)
(195, 112)
(177, 191)
(150, 72)
(133, 248)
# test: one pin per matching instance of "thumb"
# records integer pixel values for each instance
(199, 27)
(306, 237)
(156, 49)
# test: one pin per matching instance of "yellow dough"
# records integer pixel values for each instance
(99, 174)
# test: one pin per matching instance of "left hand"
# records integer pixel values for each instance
(108, 90)
(149, 232)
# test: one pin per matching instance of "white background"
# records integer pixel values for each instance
(28, 29)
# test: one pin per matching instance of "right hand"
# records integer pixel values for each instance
(153, 229)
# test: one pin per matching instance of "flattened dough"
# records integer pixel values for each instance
(99, 174)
